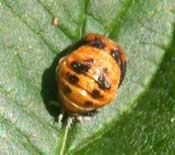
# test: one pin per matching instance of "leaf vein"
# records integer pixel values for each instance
(22, 107)
(10, 123)
(84, 20)
(117, 21)
(33, 30)
(52, 16)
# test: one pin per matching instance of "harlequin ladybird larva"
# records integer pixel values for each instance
(88, 77)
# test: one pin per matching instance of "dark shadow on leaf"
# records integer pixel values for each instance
(49, 88)
(49, 82)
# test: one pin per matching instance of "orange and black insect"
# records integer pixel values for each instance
(88, 77)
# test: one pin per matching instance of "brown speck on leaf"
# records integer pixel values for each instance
(55, 21)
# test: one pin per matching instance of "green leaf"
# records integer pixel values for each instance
(30, 47)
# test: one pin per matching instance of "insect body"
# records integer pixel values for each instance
(88, 78)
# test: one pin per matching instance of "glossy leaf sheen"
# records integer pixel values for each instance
(29, 47)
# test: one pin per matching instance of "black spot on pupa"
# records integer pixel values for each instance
(88, 61)
(73, 79)
(123, 71)
(96, 94)
(88, 104)
(67, 90)
(97, 43)
(116, 55)
(79, 67)
(105, 70)
(103, 83)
